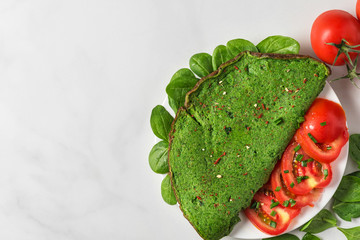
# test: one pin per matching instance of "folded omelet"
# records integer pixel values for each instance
(234, 127)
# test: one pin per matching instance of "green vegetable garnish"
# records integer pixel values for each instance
(323, 124)
(297, 148)
(273, 224)
(312, 138)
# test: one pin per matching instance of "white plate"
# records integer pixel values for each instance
(246, 230)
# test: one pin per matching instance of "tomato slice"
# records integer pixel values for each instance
(324, 131)
(301, 174)
(322, 152)
(293, 171)
(319, 173)
(267, 217)
(285, 197)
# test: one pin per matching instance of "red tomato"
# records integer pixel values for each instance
(324, 131)
(320, 173)
(299, 176)
(332, 27)
(358, 9)
(322, 152)
(325, 120)
(284, 195)
(271, 220)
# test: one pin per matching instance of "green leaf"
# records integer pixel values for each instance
(201, 64)
(279, 44)
(351, 233)
(355, 174)
(354, 148)
(322, 221)
(345, 210)
(285, 236)
(309, 236)
(181, 83)
(158, 157)
(173, 104)
(349, 189)
(160, 121)
(220, 56)
(167, 192)
(236, 46)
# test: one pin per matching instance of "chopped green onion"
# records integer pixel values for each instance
(253, 206)
(299, 157)
(300, 178)
(328, 148)
(297, 148)
(312, 138)
(326, 173)
(273, 213)
(273, 224)
(292, 202)
(278, 121)
(286, 203)
(292, 185)
(274, 204)
(286, 171)
(304, 163)
(277, 188)
(323, 124)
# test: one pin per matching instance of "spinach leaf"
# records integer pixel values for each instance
(351, 233)
(355, 174)
(158, 157)
(345, 210)
(173, 104)
(322, 221)
(349, 189)
(181, 82)
(354, 148)
(236, 46)
(201, 64)
(160, 121)
(279, 44)
(285, 236)
(309, 236)
(220, 55)
(167, 192)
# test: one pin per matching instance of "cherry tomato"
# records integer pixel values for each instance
(325, 120)
(284, 195)
(296, 171)
(332, 27)
(268, 218)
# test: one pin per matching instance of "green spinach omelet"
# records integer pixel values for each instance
(234, 127)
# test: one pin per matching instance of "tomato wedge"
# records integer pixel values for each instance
(302, 174)
(322, 152)
(268, 215)
(286, 197)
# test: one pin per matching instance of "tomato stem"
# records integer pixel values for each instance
(352, 74)
(345, 48)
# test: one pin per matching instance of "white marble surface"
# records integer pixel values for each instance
(78, 80)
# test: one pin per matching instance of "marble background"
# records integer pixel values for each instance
(78, 80)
